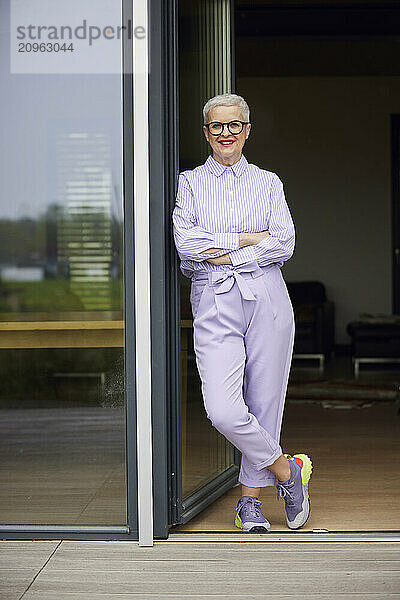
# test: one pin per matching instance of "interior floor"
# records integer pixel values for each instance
(354, 447)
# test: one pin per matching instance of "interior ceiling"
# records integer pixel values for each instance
(311, 38)
(254, 19)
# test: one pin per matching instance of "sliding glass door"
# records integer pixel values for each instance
(206, 461)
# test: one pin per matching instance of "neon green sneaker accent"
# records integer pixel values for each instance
(306, 469)
(238, 522)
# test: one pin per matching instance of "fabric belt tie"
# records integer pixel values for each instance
(227, 277)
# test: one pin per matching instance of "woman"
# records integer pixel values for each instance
(233, 231)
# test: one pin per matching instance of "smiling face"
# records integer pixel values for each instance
(227, 148)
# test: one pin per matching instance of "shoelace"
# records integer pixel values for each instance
(283, 492)
(253, 509)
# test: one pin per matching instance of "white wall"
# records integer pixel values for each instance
(328, 139)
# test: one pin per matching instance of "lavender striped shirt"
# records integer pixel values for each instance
(214, 203)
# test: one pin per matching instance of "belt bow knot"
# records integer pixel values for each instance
(227, 277)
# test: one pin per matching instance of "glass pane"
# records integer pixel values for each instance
(62, 397)
(205, 452)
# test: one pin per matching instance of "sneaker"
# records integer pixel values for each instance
(249, 516)
(295, 490)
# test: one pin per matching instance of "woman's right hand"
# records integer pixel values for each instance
(249, 239)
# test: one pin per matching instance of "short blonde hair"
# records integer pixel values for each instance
(227, 100)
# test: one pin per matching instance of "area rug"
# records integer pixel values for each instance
(343, 394)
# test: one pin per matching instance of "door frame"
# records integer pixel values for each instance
(163, 166)
(128, 531)
(395, 147)
(165, 295)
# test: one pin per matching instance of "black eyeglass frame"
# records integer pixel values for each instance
(228, 123)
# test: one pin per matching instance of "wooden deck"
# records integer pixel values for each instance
(67, 330)
(69, 570)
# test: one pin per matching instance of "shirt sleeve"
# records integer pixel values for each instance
(279, 245)
(190, 239)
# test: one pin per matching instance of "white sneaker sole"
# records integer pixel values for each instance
(251, 527)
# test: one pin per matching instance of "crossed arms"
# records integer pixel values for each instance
(245, 239)
(195, 243)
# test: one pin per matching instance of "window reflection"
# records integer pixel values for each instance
(62, 391)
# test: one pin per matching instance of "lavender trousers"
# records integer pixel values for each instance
(244, 328)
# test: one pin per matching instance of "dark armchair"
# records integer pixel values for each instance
(315, 320)
(374, 339)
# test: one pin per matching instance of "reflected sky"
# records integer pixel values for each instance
(61, 205)
(38, 111)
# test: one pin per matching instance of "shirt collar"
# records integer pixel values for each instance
(217, 169)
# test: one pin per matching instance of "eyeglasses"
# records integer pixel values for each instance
(234, 127)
